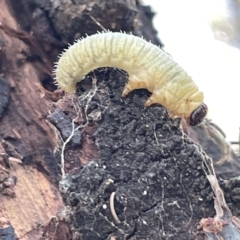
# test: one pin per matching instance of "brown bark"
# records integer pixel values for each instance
(25, 135)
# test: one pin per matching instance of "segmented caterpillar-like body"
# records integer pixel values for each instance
(146, 64)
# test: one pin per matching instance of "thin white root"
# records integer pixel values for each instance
(89, 96)
(98, 23)
(64, 146)
(220, 205)
(111, 201)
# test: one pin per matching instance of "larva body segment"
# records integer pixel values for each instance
(147, 66)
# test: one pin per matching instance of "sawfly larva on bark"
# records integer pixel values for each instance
(147, 66)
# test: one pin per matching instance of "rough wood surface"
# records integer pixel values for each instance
(25, 135)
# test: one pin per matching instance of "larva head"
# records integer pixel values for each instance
(198, 115)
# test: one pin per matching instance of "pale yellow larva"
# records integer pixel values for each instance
(146, 64)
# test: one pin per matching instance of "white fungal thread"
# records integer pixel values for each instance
(146, 64)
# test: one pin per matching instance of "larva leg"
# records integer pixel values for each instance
(152, 100)
(131, 85)
(184, 126)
